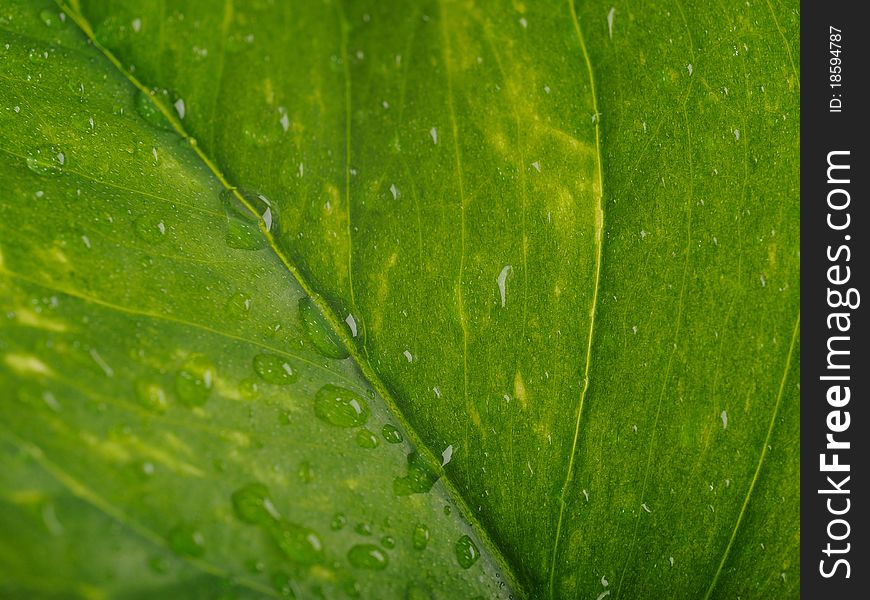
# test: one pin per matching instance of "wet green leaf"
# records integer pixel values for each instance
(427, 299)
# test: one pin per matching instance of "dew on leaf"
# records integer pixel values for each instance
(249, 388)
(420, 537)
(251, 504)
(305, 472)
(466, 552)
(152, 396)
(238, 305)
(388, 542)
(392, 434)
(420, 478)
(368, 556)
(186, 540)
(367, 439)
(300, 544)
(338, 522)
(274, 369)
(149, 112)
(340, 407)
(193, 383)
(363, 529)
(46, 160)
(151, 230)
(321, 335)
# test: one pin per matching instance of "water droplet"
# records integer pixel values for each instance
(420, 478)
(420, 537)
(111, 32)
(502, 281)
(368, 556)
(466, 552)
(238, 306)
(151, 396)
(298, 543)
(319, 332)
(252, 504)
(363, 529)
(151, 230)
(341, 407)
(388, 542)
(50, 18)
(338, 522)
(243, 232)
(186, 540)
(367, 439)
(249, 388)
(305, 472)
(392, 434)
(46, 160)
(193, 383)
(434, 133)
(274, 369)
(149, 112)
(179, 108)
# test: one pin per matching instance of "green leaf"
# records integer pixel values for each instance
(285, 280)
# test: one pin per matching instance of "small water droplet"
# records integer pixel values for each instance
(151, 396)
(238, 305)
(338, 522)
(158, 564)
(186, 540)
(392, 434)
(251, 504)
(319, 332)
(249, 388)
(275, 369)
(368, 556)
(300, 544)
(305, 472)
(363, 529)
(151, 230)
(148, 110)
(46, 160)
(180, 108)
(420, 537)
(194, 381)
(420, 478)
(466, 552)
(341, 407)
(367, 439)
(243, 232)
(388, 542)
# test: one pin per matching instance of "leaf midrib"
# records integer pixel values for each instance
(72, 9)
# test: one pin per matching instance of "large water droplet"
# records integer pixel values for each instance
(319, 332)
(274, 369)
(298, 543)
(193, 383)
(46, 160)
(341, 407)
(392, 434)
(420, 537)
(149, 112)
(186, 540)
(466, 552)
(252, 504)
(367, 439)
(420, 478)
(368, 556)
(151, 396)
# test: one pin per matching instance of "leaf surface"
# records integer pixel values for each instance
(560, 241)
